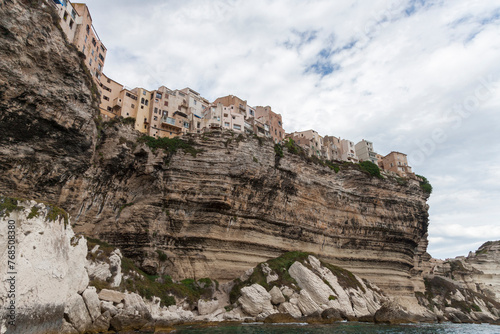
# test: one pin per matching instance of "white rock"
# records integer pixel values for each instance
(255, 300)
(98, 270)
(111, 296)
(276, 296)
(291, 309)
(108, 306)
(306, 304)
(287, 291)
(115, 267)
(307, 280)
(270, 275)
(207, 307)
(92, 301)
(77, 313)
(134, 304)
(342, 301)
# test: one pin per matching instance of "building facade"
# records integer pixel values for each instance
(397, 162)
(348, 151)
(364, 151)
(273, 120)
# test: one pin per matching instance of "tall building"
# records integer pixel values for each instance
(348, 151)
(331, 146)
(364, 151)
(273, 120)
(76, 23)
(310, 140)
(397, 162)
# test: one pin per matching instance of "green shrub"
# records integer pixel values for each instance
(170, 145)
(278, 150)
(7, 205)
(292, 147)
(161, 256)
(425, 185)
(370, 168)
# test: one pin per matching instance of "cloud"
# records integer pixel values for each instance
(407, 75)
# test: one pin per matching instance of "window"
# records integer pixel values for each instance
(194, 102)
(86, 39)
(102, 48)
(158, 95)
(83, 49)
(87, 29)
(146, 102)
(165, 103)
(99, 67)
(109, 108)
(73, 14)
(143, 92)
(132, 106)
(93, 43)
(145, 126)
(101, 57)
(156, 110)
(226, 124)
(234, 117)
(225, 115)
(105, 97)
(236, 127)
(90, 61)
(65, 16)
(71, 24)
(155, 118)
(186, 125)
(142, 100)
(142, 107)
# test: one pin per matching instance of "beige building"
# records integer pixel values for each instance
(397, 162)
(331, 146)
(348, 151)
(76, 23)
(364, 151)
(110, 91)
(256, 127)
(273, 120)
(310, 140)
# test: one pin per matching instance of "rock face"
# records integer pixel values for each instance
(50, 268)
(479, 271)
(215, 214)
(465, 289)
(46, 104)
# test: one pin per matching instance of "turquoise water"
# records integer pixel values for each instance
(347, 328)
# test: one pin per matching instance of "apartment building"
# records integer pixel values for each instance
(169, 113)
(364, 151)
(273, 120)
(76, 23)
(348, 151)
(331, 147)
(111, 92)
(309, 140)
(232, 111)
(397, 162)
(257, 128)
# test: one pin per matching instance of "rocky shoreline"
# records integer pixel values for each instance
(66, 284)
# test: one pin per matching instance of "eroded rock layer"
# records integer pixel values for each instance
(236, 204)
(214, 214)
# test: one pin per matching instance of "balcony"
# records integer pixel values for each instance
(117, 103)
(168, 120)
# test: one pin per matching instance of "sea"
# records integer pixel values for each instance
(343, 327)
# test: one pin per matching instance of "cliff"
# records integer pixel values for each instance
(227, 204)
(234, 203)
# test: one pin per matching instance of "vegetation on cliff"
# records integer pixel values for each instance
(425, 185)
(170, 145)
(279, 266)
(147, 286)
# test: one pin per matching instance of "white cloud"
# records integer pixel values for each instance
(401, 74)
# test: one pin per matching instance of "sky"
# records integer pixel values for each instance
(415, 76)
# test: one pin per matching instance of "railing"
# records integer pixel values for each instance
(168, 120)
